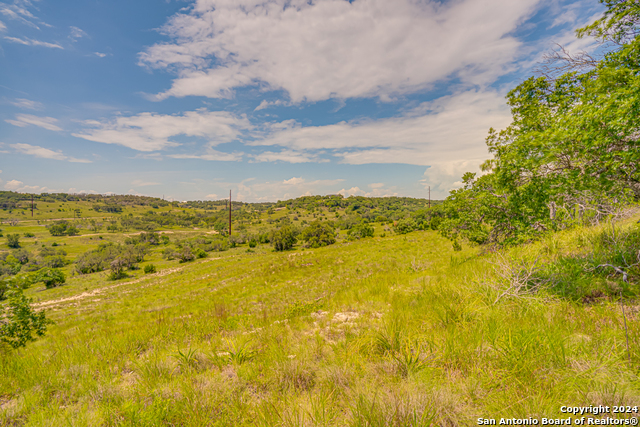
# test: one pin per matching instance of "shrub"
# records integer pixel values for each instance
(319, 234)
(149, 268)
(283, 238)
(253, 243)
(186, 255)
(13, 240)
(456, 246)
(169, 254)
(200, 253)
(20, 321)
(405, 226)
(360, 231)
(100, 259)
(29, 234)
(51, 277)
(62, 228)
(117, 269)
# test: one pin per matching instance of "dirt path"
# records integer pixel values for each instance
(100, 291)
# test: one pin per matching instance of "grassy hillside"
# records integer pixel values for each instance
(396, 330)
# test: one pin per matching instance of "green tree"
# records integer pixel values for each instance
(405, 226)
(319, 234)
(283, 238)
(19, 323)
(361, 231)
(13, 240)
(51, 277)
(572, 150)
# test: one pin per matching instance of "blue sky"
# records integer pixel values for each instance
(271, 99)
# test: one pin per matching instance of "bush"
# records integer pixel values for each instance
(319, 234)
(405, 226)
(253, 243)
(117, 269)
(283, 238)
(149, 268)
(13, 240)
(100, 259)
(62, 228)
(20, 321)
(361, 231)
(29, 234)
(186, 255)
(200, 253)
(169, 254)
(51, 277)
(4, 286)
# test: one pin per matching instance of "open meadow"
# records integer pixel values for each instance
(379, 331)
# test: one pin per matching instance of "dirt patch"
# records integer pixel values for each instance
(99, 291)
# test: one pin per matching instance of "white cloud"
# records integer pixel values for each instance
(76, 33)
(23, 120)
(211, 155)
(100, 54)
(445, 130)
(27, 104)
(17, 13)
(265, 104)
(335, 48)
(288, 156)
(252, 190)
(74, 190)
(151, 131)
(211, 196)
(2, 26)
(19, 186)
(13, 185)
(45, 153)
(32, 42)
(377, 191)
(353, 191)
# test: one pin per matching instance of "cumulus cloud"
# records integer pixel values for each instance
(253, 190)
(152, 132)
(27, 104)
(45, 153)
(446, 134)
(334, 48)
(19, 186)
(32, 42)
(23, 120)
(377, 190)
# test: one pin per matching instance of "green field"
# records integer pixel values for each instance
(397, 330)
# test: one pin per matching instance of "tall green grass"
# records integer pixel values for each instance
(399, 331)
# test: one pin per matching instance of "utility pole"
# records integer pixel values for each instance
(429, 197)
(229, 212)
(32, 206)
